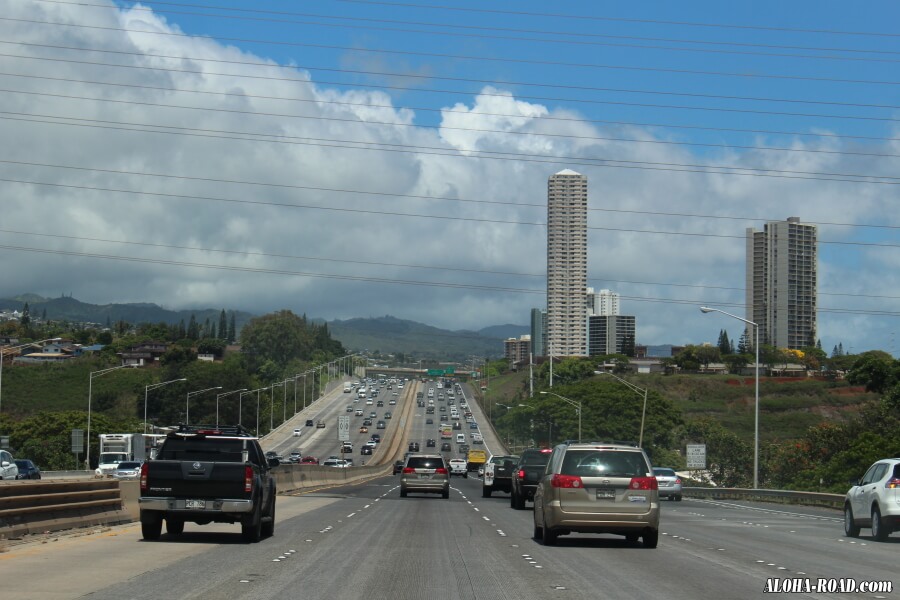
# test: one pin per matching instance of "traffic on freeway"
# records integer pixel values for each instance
(366, 540)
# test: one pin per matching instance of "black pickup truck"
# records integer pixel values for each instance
(207, 475)
(526, 476)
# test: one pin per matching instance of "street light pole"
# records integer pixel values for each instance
(56, 339)
(187, 402)
(639, 390)
(153, 386)
(576, 403)
(706, 309)
(87, 459)
(222, 396)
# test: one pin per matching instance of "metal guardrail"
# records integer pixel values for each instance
(780, 496)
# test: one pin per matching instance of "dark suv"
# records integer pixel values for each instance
(597, 487)
(526, 476)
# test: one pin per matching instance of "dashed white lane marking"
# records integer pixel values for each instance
(350, 515)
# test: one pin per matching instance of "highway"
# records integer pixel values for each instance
(364, 541)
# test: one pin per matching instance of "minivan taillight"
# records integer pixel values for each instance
(248, 479)
(408, 470)
(566, 481)
(144, 468)
(440, 471)
(643, 483)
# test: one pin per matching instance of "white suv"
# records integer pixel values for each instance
(875, 501)
(8, 467)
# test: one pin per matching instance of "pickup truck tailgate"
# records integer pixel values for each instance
(198, 479)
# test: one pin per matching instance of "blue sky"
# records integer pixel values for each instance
(553, 85)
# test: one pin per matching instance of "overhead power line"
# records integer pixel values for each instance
(485, 288)
(568, 161)
(355, 120)
(733, 74)
(392, 213)
(453, 199)
(466, 112)
(578, 38)
(388, 264)
(583, 17)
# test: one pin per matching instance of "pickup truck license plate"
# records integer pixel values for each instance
(195, 503)
(606, 494)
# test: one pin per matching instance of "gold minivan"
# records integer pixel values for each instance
(595, 487)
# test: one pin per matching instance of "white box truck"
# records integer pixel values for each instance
(122, 447)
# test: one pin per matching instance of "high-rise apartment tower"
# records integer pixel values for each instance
(781, 283)
(567, 199)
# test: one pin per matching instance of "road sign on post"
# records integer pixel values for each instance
(78, 441)
(343, 429)
(435, 372)
(696, 456)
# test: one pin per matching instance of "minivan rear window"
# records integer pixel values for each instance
(604, 463)
(425, 462)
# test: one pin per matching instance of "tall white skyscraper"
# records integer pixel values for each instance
(781, 283)
(567, 199)
(604, 303)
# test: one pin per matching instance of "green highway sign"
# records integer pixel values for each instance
(435, 372)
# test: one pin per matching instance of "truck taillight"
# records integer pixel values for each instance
(248, 479)
(566, 481)
(144, 468)
(521, 473)
(643, 483)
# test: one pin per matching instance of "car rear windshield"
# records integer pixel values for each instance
(604, 463)
(425, 462)
(129, 465)
(664, 472)
(222, 450)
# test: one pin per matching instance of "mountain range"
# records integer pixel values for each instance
(384, 335)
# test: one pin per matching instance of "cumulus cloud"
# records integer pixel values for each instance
(197, 152)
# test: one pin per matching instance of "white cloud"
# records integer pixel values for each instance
(302, 155)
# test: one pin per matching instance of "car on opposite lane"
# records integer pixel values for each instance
(27, 469)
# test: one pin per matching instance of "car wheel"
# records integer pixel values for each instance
(879, 531)
(403, 493)
(678, 498)
(520, 502)
(251, 529)
(538, 533)
(268, 528)
(174, 526)
(151, 525)
(486, 492)
(549, 537)
(651, 538)
(445, 494)
(851, 529)
(466, 474)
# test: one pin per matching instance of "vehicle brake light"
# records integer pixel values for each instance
(546, 450)
(893, 483)
(643, 483)
(440, 471)
(248, 479)
(144, 468)
(521, 473)
(678, 481)
(408, 470)
(566, 481)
